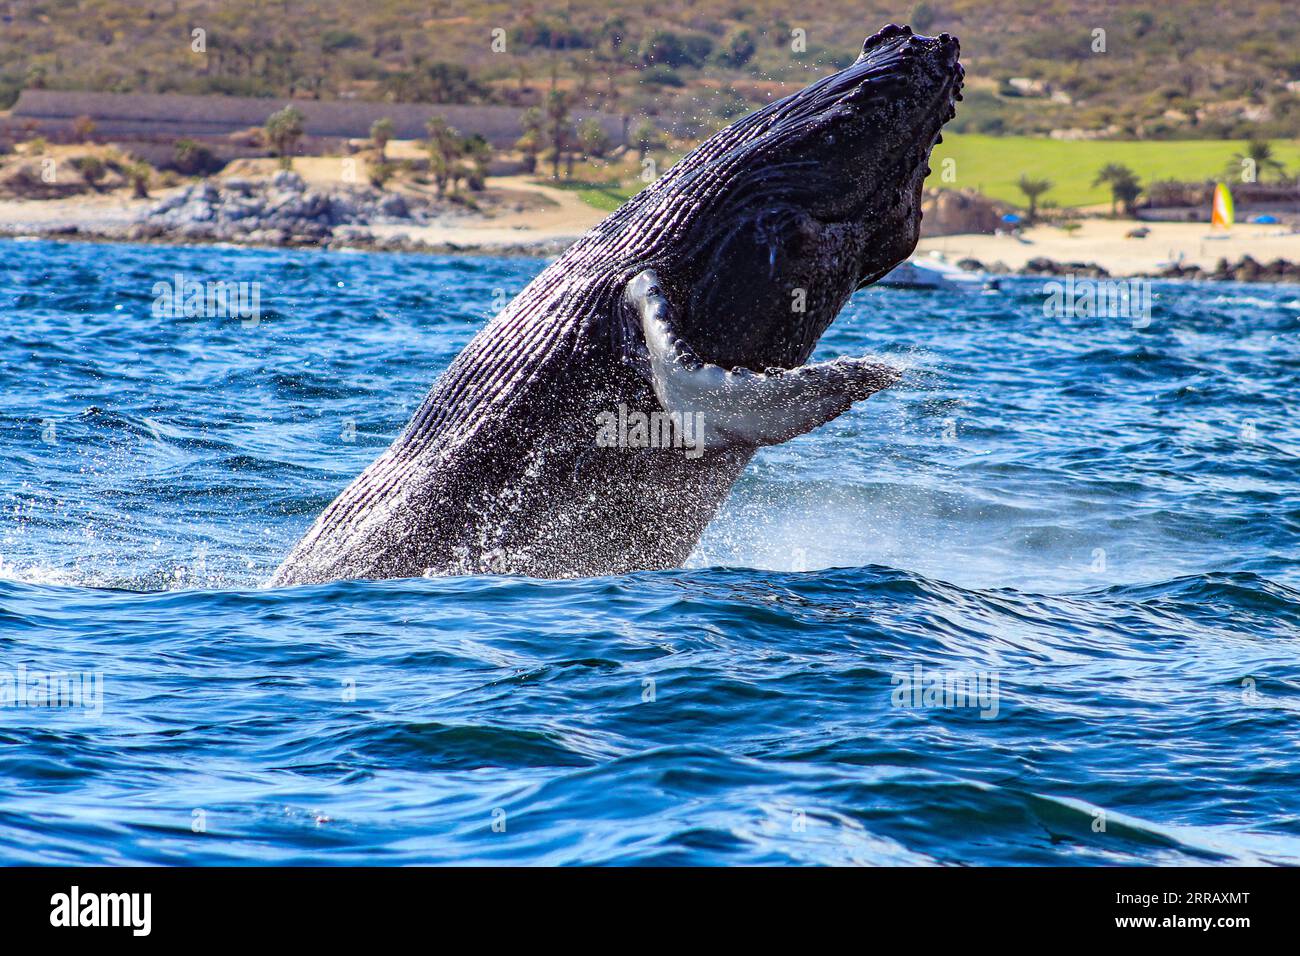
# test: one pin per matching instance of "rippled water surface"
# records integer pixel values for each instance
(1095, 524)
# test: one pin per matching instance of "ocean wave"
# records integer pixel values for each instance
(1078, 536)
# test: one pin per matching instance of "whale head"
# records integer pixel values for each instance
(775, 221)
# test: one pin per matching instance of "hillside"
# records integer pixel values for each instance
(1163, 74)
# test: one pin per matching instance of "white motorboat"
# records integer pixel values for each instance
(935, 272)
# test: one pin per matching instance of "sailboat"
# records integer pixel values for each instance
(1221, 209)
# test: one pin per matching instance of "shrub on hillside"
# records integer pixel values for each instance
(331, 41)
(660, 75)
(676, 49)
(91, 168)
(191, 158)
(550, 35)
(737, 49)
(436, 83)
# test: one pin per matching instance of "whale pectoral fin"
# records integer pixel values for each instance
(739, 406)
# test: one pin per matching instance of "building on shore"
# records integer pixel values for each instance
(157, 117)
(1191, 202)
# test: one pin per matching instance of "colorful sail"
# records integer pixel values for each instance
(1221, 213)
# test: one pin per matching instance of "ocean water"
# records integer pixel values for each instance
(1089, 524)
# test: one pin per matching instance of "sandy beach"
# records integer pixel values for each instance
(521, 213)
(1103, 241)
(562, 218)
(83, 212)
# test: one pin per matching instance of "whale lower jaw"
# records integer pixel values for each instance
(740, 406)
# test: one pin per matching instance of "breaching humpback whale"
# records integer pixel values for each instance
(689, 313)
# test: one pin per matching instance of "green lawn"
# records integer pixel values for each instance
(604, 196)
(992, 164)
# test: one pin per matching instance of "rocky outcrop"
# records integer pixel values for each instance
(950, 212)
(1245, 269)
(1038, 266)
(1042, 266)
(280, 211)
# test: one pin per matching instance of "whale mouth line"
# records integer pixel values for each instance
(677, 351)
(658, 332)
(742, 406)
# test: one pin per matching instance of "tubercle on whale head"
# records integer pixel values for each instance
(808, 199)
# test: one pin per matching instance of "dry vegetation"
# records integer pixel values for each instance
(1195, 69)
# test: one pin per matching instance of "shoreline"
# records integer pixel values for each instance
(1109, 248)
(540, 248)
(1277, 272)
(514, 216)
(549, 220)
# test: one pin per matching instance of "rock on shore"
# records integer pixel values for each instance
(280, 211)
(1246, 269)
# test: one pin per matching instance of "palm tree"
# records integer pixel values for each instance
(479, 153)
(1259, 153)
(283, 130)
(444, 149)
(533, 123)
(137, 174)
(557, 109)
(592, 137)
(1033, 188)
(1125, 187)
(381, 133)
(644, 136)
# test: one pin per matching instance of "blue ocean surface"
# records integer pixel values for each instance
(1038, 604)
